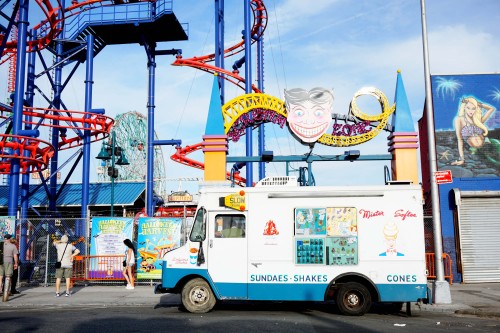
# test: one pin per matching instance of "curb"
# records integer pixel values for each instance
(478, 313)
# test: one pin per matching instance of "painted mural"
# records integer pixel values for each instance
(467, 123)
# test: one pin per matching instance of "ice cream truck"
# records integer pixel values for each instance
(278, 241)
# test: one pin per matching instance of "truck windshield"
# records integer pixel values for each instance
(198, 233)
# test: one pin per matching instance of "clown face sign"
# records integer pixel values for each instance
(309, 112)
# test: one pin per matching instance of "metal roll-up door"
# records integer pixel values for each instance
(479, 230)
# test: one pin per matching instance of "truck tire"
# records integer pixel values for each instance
(353, 299)
(197, 296)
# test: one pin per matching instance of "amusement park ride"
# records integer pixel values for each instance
(73, 33)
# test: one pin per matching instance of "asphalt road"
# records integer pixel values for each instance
(228, 318)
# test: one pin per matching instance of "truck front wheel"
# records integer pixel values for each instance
(197, 296)
(353, 299)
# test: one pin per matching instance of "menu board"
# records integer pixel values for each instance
(309, 251)
(341, 250)
(310, 221)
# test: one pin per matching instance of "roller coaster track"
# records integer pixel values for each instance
(49, 28)
(202, 63)
(180, 157)
(34, 154)
(259, 25)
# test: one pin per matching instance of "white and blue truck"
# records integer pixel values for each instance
(278, 241)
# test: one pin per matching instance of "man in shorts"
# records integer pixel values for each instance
(10, 259)
(66, 252)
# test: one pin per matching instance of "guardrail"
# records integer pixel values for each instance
(431, 266)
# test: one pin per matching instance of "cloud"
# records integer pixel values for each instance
(296, 13)
(457, 50)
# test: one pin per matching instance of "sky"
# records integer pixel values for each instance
(338, 44)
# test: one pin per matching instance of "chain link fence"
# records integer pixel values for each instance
(38, 255)
(429, 234)
(36, 251)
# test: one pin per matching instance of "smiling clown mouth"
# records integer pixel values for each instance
(309, 132)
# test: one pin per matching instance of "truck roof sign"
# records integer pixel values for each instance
(234, 201)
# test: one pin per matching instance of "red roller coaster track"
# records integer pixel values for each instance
(40, 152)
(34, 154)
(259, 25)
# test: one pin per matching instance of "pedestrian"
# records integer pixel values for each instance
(10, 259)
(66, 252)
(129, 263)
(15, 274)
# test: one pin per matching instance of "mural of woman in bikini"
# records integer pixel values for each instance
(469, 125)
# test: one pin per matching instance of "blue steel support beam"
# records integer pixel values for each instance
(306, 158)
(17, 109)
(6, 31)
(150, 50)
(30, 93)
(168, 142)
(260, 78)
(248, 86)
(219, 44)
(81, 229)
(54, 161)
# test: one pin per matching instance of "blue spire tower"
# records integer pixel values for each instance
(403, 142)
(214, 143)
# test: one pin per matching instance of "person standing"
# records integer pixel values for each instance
(129, 263)
(66, 252)
(10, 259)
(15, 274)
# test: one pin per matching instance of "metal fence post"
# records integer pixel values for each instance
(47, 262)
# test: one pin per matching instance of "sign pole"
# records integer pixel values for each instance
(441, 288)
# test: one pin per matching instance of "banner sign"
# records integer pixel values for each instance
(156, 237)
(107, 238)
(7, 225)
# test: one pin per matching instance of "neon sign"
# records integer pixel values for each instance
(250, 110)
(254, 118)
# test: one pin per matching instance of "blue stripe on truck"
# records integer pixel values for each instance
(402, 292)
(287, 291)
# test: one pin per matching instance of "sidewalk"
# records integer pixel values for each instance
(89, 296)
(481, 299)
(472, 299)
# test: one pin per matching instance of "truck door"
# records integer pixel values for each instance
(227, 253)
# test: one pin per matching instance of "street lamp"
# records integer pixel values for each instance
(109, 151)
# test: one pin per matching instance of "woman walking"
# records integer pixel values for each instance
(129, 263)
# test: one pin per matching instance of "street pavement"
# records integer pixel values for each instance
(468, 299)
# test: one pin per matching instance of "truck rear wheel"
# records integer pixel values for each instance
(353, 299)
(197, 296)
